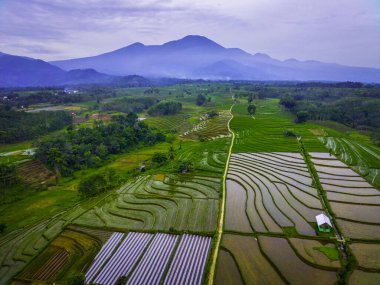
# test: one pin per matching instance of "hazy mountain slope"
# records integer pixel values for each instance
(199, 57)
(17, 71)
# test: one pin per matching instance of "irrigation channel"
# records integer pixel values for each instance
(314, 176)
(219, 234)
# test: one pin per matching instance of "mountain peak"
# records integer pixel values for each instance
(193, 41)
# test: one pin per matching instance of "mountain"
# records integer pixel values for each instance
(194, 57)
(18, 71)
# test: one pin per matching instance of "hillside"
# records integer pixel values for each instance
(199, 57)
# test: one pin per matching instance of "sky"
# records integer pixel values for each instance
(340, 31)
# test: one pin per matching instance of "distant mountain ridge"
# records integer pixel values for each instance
(197, 57)
(18, 71)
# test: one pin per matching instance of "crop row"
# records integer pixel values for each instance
(264, 132)
(210, 129)
(67, 254)
(364, 158)
(150, 204)
(355, 202)
(267, 192)
(141, 258)
(274, 260)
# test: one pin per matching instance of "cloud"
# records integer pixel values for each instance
(343, 31)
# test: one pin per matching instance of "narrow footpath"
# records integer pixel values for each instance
(219, 234)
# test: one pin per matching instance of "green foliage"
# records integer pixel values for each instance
(289, 133)
(184, 166)
(201, 99)
(165, 108)
(129, 104)
(331, 252)
(89, 147)
(159, 158)
(98, 183)
(77, 279)
(20, 126)
(302, 116)
(8, 174)
(288, 102)
(212, 114)
(2, 228)
(251, 109)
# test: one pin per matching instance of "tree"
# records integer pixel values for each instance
(201, 99)
(2, 228)
(302, 116)
(184, 166)
(159, 158)
(251, 109)
(250, 98)
(288, 102)
(77, 279)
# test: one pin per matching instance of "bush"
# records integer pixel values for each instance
(159, 158)
(2, 228)
(251, 109)
(212, 114)
(302, 116)
(165, 108)
(98, 183)
(77, 279)
(289, 133)
(184, 166)
(201, 99)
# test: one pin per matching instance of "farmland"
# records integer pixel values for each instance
(162, 223)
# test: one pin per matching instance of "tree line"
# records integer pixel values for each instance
(16, 126)
(87, 147)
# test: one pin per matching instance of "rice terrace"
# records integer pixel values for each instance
(181, 160)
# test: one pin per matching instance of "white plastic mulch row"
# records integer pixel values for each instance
(189, 261)
(103, 254)
(124, 258)
(152, 266)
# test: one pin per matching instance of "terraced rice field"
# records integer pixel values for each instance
(275, 260)
(363, 158)
(142, 258)
(209, 129)
(20, 246)
(269, 192)
(355, 202)
(265, 131)
(151, 204)
(178, 122)
(67, 254)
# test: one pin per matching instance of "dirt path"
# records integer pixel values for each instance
(214, 254)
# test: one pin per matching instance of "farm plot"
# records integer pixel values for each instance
(265, 131)
(209, 129)
(362, 157)
(125, 257)
(355, 202)
(156, 203)
(189, 261)
(271, 260)
(103, 255)
(19, 247)
(268, 192)
(67, 254)
(142, 258)
(367, 255)
(359, 277)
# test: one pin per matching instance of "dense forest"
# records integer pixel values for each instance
(16, 126)
(129, 104)
(351, 103)
(165, 108)
(90, 147)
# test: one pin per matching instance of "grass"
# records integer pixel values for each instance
(264, 132)
(331, 253)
